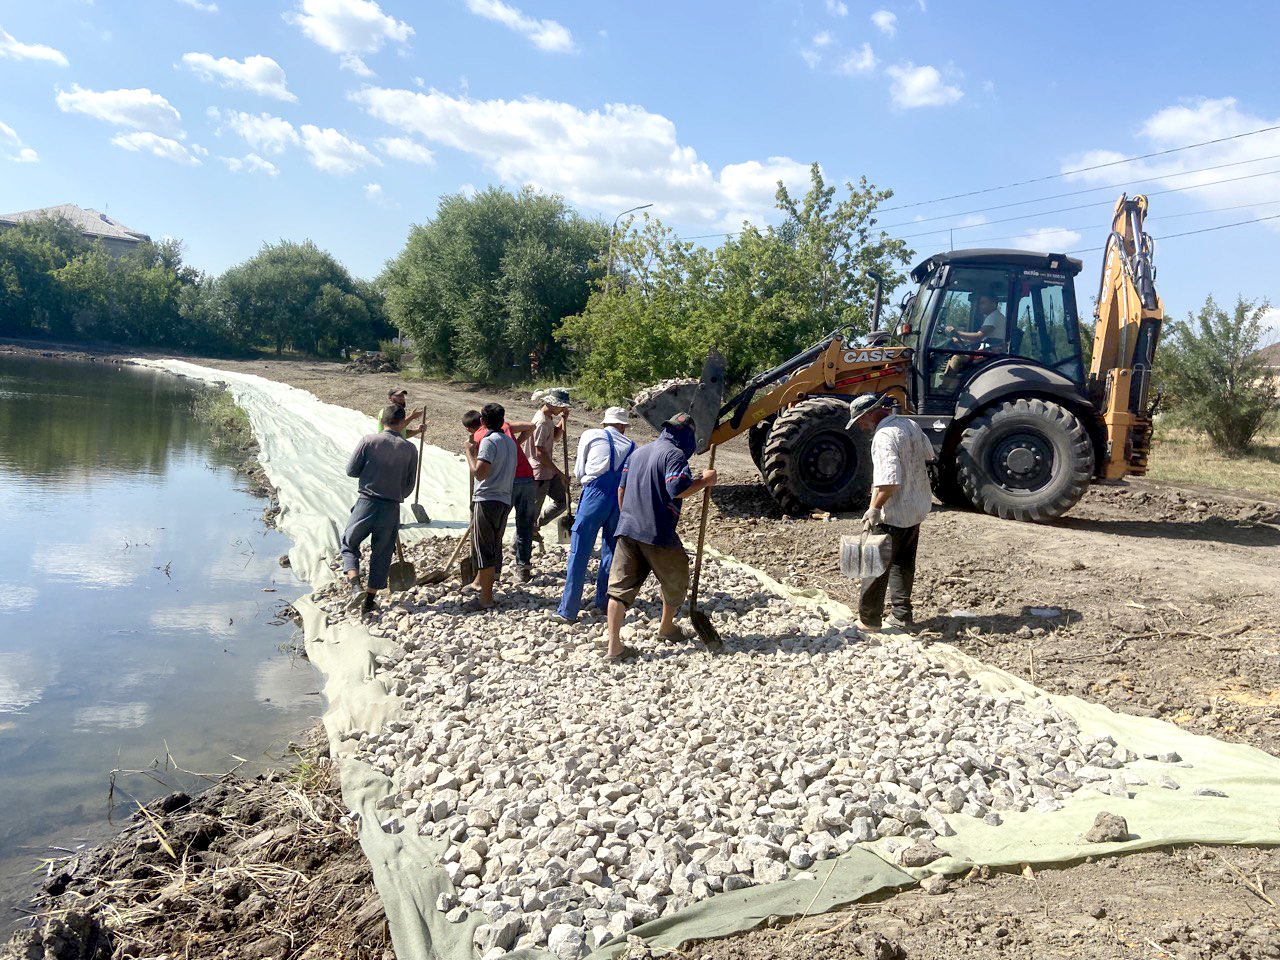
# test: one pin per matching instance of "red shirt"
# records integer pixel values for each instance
(524, 469)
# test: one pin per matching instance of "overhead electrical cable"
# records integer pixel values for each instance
(1096, 166)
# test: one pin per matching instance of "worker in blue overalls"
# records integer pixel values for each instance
(602, 455)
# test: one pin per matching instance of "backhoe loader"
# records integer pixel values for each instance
(987, 355)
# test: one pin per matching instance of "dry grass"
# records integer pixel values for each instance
(1183, 456)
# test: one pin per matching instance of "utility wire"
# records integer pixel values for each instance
(1191, 233)
(1160, 218)
(1076, 193)
(1096, 166)
(1083, 206)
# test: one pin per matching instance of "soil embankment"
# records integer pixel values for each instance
(1147, 598)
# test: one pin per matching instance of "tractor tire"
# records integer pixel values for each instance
(757, 437)
(946, 486)
(1025, 460)
(812, 462)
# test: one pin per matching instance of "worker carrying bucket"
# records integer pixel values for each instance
(900, 500)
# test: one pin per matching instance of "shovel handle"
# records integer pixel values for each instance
(422, 447)
(399, 548)
(702, 536)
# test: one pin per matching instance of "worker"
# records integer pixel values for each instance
(398, 396)
(492, 461)
(602, 456)
(654, 483)
(524, 502)
(992, 331)
(385, 464)
(540, 446)
(900, 500)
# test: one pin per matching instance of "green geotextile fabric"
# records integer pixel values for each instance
(305, 444)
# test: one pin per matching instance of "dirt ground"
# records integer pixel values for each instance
(1151, 599)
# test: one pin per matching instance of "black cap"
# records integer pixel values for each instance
(681, 421)
(397, 391)
(392, 413)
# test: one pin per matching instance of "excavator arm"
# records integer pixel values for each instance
(1127, 324)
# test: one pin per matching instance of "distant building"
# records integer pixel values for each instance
(114, 236)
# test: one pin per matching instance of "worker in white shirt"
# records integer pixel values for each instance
(900, 500)
(602, 454)
(991, 334)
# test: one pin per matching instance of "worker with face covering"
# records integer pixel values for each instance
(654, 483)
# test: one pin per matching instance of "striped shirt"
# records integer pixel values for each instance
(899, 454)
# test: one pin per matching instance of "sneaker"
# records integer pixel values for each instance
(537, 539)
(559, 617)
(369, 605)
(355, 593)
(897, 623)
(524, 573)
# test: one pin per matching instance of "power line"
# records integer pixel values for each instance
(1068, 173)
(1076, 193)
(1160, 218)
(1083, 206)
(1191, 233)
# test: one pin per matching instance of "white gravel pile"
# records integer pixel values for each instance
(582, 799)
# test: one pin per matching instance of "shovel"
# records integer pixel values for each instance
(441, 574)
(701, 622)
(419, 511)
(401, 576)
(564, 526)
(467, 565)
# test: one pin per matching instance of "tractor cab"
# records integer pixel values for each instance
(979, 309)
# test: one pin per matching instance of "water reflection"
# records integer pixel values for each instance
(132, 589)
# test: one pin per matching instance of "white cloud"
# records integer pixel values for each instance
(837, 8)
(1047, 240)
(251, 163)
(811, 57)
(202, 7)
(162, 147)
(349, 28)
(920, 87)
(139, 109)
(886, 22)
(257, 74)
(545, 34)
(823, 39)
(373, 193)
(605, 160)
(862, 60)
(13, 146)
(1194, 121)
(13, 49)
(402, 148)
(333, 152)
(263, 132)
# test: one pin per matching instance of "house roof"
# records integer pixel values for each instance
(89, 222)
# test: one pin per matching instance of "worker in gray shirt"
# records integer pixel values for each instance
(384, 463)
(492, 462)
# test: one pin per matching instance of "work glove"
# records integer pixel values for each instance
(872, 518)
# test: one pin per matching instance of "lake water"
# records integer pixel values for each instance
(140, 595)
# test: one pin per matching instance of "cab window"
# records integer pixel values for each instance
(1046, 329)
(971, 325)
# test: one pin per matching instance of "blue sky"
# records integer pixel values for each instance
(228, 123)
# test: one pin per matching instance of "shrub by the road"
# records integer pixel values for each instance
(1213, 375)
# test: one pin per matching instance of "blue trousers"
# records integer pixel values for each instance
(378, 521)
(524, 507)
(597, 514)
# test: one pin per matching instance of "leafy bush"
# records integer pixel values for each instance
(1214, 379)
(760, 298)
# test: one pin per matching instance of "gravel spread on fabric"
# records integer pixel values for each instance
(582, 798)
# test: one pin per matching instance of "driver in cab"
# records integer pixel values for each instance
(992, 332)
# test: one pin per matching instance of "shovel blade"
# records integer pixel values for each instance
(419, 513)
(466, 570)
(564, 529)
(706, 631)
(401, 576)
(438, 575)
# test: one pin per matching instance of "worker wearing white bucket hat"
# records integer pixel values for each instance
(602, 454)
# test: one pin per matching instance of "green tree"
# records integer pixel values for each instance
(483, 286)
(297, 295)
(30, 298)
(760, 297)
(1213, 377)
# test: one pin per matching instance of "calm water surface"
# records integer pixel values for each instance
(138, 586)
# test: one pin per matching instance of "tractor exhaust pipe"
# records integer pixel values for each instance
(875, 310)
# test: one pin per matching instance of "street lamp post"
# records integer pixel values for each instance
(608, 270)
